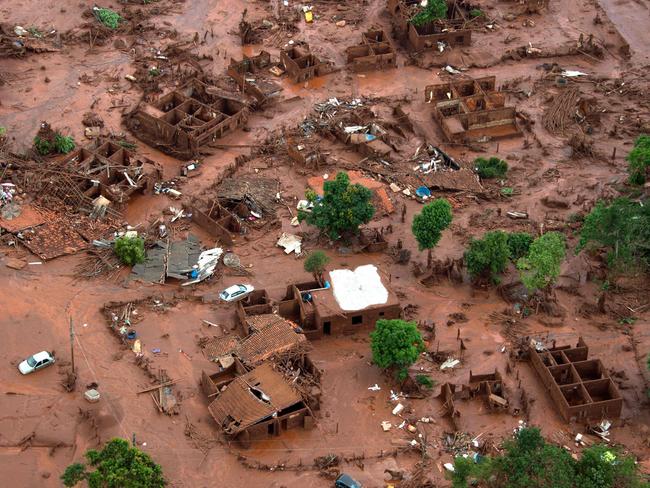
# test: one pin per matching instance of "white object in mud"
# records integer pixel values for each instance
(358, 289)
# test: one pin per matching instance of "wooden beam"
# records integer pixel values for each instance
(166, 383)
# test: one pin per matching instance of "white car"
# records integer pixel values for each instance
(236, 292)
(37, 361)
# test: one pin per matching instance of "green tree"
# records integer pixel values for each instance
(108, 17)
(490, 168)
(487, 258)
(639, 160)
(117, 465)
(428, 225)
(540, 269)
(603, 466)
(130, 250)
(519, 244)
(342, 210)
(622, 228)
(395, 345)
(315, 263)
(63, 144)
(435, 9)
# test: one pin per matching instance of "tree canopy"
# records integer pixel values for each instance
(316, 262)
(428, 225)
(343, 208)
(639, 160)
(528, 461)
(487, 258)
(396, 345)
(117, 465)
(519, 244)
(541, 267)
(622, 228)
(435, 9)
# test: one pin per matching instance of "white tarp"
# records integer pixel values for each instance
(358, 289)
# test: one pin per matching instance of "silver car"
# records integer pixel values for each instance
(38, 361)
(236, 292)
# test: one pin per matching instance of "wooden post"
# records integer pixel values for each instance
(72, 345)
(614, 153)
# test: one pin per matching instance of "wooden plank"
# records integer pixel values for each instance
(166, 383)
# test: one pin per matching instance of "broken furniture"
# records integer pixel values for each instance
(471, 110)
(259, 403)
(300, 64)
(185, 119)
(374, 52)
(248, 74)
(580, 387)
(451, 31)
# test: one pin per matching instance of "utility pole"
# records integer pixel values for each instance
(72, 345)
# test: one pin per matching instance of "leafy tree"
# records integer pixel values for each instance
(316, 262)
(425, 381)
(395, 345)
(541, 267)
(343, 209)
(639, 160)
(130, 250)
(528, 461)
(487, 258)
(428, 225)
(491, 168)
(519, 244)
(622, 228)
(117, 465)
(435, 9)
(602, 466)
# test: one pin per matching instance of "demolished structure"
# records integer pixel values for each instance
(374, 52)
(185, 119)
(471, 110)
(258, 403)
(249, 76)
(437, 34)
(301, 64)
(581, 388)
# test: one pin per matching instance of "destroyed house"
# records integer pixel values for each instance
(300, 64)
(451, 31)
(109, 170)
(259, 403)
(248, 74)
(472, 109)
(580, 387)
(183, 120)
(354, 300)
(374, 52)
(268, 335)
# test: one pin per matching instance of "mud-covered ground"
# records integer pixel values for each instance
(551, 182)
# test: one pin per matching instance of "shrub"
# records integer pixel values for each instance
(487, 258)
(108, 17)
(63, 144)
(395, 345)
(541, 267)
(435, 9)
(342, 210)
(639, 160)
(622, 228)
(316, 262)
(43, 146)
(425, 381)
(130, 250)
(519, 244)
(475, 12)
(116, 465)
(490, 168)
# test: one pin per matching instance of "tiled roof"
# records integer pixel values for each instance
(220, 346)
(272, 334)
(252, 398)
